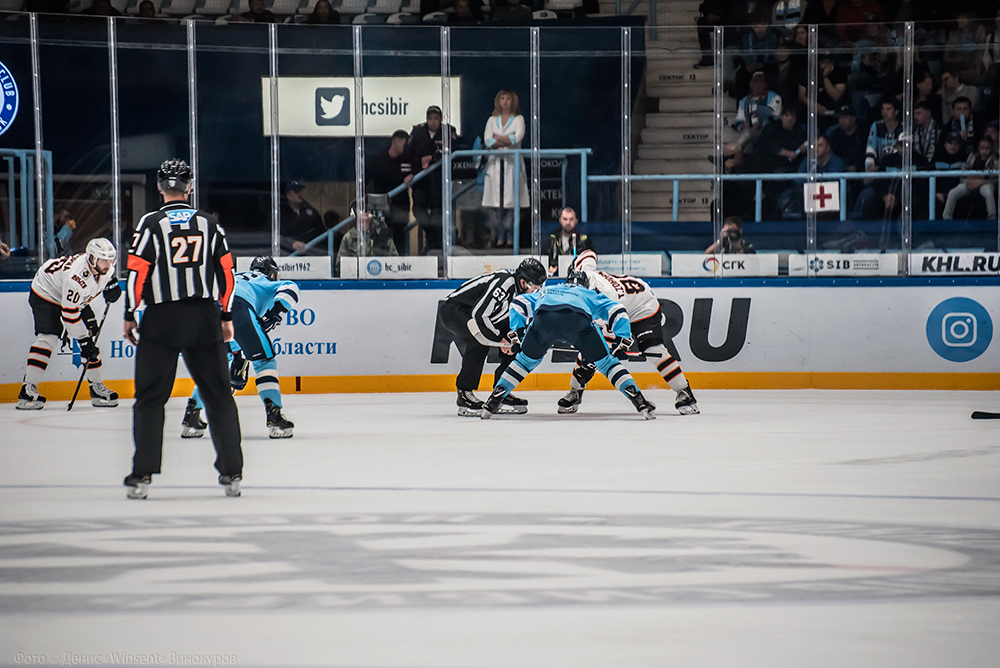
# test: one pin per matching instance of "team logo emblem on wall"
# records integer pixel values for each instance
(711, 265)
(959, 329)
(333, 106)
(374, 267)
(8, 99)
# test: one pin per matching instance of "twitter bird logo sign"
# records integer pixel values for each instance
(333, 106)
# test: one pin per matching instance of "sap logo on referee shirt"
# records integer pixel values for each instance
(333, 106)
(180, 216)
(959, 329)
(8, 99)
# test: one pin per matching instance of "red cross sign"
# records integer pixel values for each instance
(823, 196)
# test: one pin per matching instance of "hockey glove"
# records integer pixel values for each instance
(238, 371)
(113, 292)
(90, 321)
(272, 318)
(89, 350)
(621, 347)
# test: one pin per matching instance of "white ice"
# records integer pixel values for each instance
(777, 528)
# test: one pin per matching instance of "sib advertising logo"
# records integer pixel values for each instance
(333, 106)
(8, 98)
(959, 329)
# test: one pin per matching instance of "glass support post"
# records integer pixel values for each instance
(626, 109)
(116, 165)
(272, 47)
(718, 101)
(46, 244)
(448, 225)
(536, 141)
(359, 144)
(906, 193)
(192, 67)
(812, 130)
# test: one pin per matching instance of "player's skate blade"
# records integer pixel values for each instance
(30, 400)
(492, 405)
(231, 484)
(512, 405)
(192, 426)
(571, 402)
(137, 486)
(686, 403)
(469, 405)
(278, 426)
(641, 403)
(102, 396)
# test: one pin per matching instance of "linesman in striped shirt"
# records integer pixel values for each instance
(180, 267)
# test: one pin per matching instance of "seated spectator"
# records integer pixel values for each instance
(147, 10)
(731, 239)
(950, 156)
(848, 139)
(831, 91)
(827, 162)
(851, 17)
(735, 194)
(822, 13)
(961, 122)
(925, 131)
(985, 159)
(465, 14)
(786, 78)
(102, 8)
(378, 237)
(992, 130)
(257, 13)
(952, 88)
(883, 136)
(877, 61)
(759, 50)
(965, 49)
(324, 14)
(510, 11)
(782, 145)
(567, 240)
(300, 221)
(64, 226)
(756, 110)
(925, 91)
(4, 251)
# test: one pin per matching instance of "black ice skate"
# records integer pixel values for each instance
(278, 426)
(492, 405)
(571, 402)
(231, 484)
(515, 405)
(29, 399)
(137, 485)
(641, 403)
(192, 426)
(101, 395)
(686, 403)
(469, 405)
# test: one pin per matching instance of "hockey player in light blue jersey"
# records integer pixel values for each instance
(259, 301)
(567, 313)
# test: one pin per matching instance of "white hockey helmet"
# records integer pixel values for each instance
(100, 249)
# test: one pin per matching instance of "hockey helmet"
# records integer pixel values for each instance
(265, 265)
(174, 174)
(531, 271)
(578, 278)
(100, 249)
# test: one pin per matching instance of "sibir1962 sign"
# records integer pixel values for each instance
(8, 101)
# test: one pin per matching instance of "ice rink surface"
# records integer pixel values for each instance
(777, 528)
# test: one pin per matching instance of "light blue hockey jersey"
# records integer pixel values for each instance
(573, 297)
(261, 292)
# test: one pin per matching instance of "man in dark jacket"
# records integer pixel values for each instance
(425, 149)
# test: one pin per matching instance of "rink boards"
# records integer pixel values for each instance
(383, 337)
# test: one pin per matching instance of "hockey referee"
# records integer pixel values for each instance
(180, 266)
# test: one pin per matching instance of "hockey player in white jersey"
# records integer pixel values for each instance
(647, 329)
(259, 300)
(60, 298)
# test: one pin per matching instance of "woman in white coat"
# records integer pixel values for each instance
(504, 130)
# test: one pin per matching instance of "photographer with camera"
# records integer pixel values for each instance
(424, 149)
(378, 236)
(731, 240)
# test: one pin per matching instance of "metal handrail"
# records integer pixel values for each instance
(25, 236)
(759, 179)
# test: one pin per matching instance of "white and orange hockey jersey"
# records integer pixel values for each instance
(631, 292)
(71, 284)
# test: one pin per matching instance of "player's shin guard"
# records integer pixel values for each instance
(667, 365)
(39, 356)
(267, 381)
(582, 373)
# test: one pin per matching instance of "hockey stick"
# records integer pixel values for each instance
(985, 415)
(86, 364)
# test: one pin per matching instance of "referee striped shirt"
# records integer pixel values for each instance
(179, 253)
(488, 297)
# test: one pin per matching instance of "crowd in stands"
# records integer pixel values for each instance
(323, 12)
(859, 104)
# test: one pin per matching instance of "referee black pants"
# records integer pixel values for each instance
(456, 320)
(190, 328)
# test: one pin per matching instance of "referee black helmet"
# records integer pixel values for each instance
(530, 271)
(174, 174)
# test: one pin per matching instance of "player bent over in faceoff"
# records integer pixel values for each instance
(477, 315)
(647, 329)
(60, 298)
(567, 313)
(257, 291)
